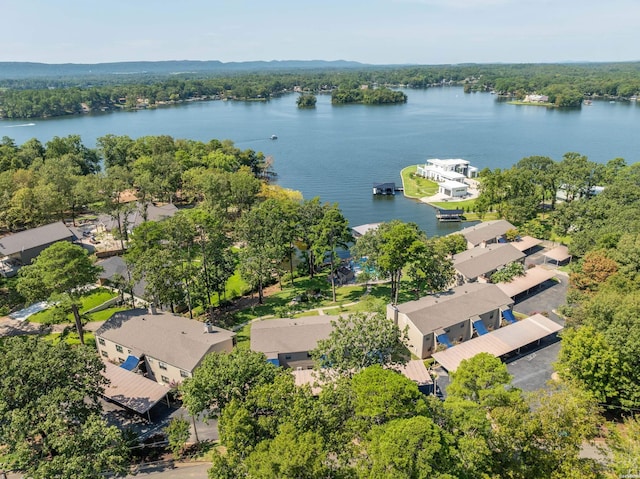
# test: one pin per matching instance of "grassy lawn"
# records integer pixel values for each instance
(415, 186)
(71, 338)
(279, 303)
(458, 205)
(105, 313)
(243, 337)
(90, 300)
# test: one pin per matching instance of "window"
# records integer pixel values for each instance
(162, 365)
(101, 341)
(164, 379)
(462, 326)
(184, 374)
(119, 348)
(287, 356)
(120, 360)
(104, 354)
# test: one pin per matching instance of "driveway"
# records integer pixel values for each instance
(551, 295)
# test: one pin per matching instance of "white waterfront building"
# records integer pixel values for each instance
(450, 173)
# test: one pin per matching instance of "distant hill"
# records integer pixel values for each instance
(16, 70)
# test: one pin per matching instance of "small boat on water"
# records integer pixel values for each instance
(273, 137)
(588, 102)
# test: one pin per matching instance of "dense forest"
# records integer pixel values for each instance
(564, 84)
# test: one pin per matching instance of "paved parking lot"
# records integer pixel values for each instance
(533, 367)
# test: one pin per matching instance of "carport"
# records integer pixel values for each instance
(532, 278)
(499, 342)
(559, 254)
(526, 243)
(133, 391)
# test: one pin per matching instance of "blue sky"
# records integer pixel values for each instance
(373, 31)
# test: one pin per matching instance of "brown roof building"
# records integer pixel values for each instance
(476, 263)
(171, 347)
(485, 233)
(450, 317)
(288, 341)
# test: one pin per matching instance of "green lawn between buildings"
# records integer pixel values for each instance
(89, 300)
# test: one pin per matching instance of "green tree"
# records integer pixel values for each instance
(588, 357)
(359, 341)
(508, 273)
(450, 244)
(482, 379)
(58, 274)
(382, 395)
(224, 376)
(178, 432)
(265, 243)
(390, 248)
(624, 448)
(306, 101)
(292, 453)
(404, 448)
(430, 270)
(50, 424)
(331, 233)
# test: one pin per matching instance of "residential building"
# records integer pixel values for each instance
(19, 249)
(450, 174)
(536, 99)
(136, 216)
(168, 347)
(450, 317)
(478, 264)
(447, 170)
(288, 342)
(487, 232)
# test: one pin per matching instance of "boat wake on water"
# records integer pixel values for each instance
(18, 126)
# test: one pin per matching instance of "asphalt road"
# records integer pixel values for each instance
(189, 470)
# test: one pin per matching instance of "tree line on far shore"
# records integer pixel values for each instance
(565, 85)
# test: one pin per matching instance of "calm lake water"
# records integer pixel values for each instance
(337, 152)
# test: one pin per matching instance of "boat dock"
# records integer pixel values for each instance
(386, 188)
(449, 215)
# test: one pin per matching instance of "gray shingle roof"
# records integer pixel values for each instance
(435, 312)
(486, 231)
(135, 217)
(288, 335)
(176, 340)
(35, 237)
(478, 261)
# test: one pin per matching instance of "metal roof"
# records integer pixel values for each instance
(533, 277)
(525, 242)
(361, 230)
(132, 390)
(559, 253)
(499, 342)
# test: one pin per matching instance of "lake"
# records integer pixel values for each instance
(337, 152)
